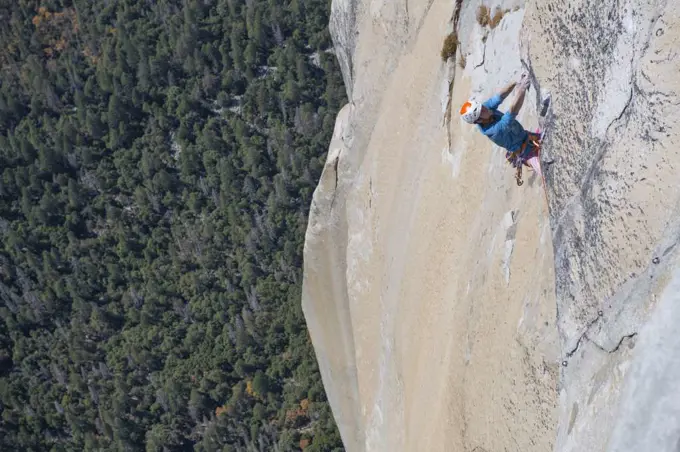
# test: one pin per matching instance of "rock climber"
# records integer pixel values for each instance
(503, 128)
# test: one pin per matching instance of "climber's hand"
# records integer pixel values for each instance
(524, 81)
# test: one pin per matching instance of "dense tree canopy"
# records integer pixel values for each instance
(157, 164)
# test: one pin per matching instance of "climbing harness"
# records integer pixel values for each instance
(518, 162)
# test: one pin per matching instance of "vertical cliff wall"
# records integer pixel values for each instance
(449, 308)
(614, 199)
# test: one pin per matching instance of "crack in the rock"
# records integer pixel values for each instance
(483, 58)
(576, 347)
(584, 335)
(618, 345)
(625, 107)
(408, 18)
(669, 249)
(447, 116)
(335, 189)
(633, 87)
(456, 13)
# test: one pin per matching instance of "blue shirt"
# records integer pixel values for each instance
(505, 130)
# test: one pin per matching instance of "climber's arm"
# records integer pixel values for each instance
(498, 98)
(522, 88)
(519, 100)
(505, 92)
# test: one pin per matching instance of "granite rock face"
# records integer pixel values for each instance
(452, 310)
(614, 206)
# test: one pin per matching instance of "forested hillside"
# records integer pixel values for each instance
(158, 159)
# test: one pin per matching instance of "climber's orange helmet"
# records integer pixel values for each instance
(471, 111)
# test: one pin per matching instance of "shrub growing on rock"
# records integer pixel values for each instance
(497, 17)
(450, 46)
(483, 15)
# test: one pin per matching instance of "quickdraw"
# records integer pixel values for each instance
(518, 176)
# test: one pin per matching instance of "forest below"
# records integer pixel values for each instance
(158, 159)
